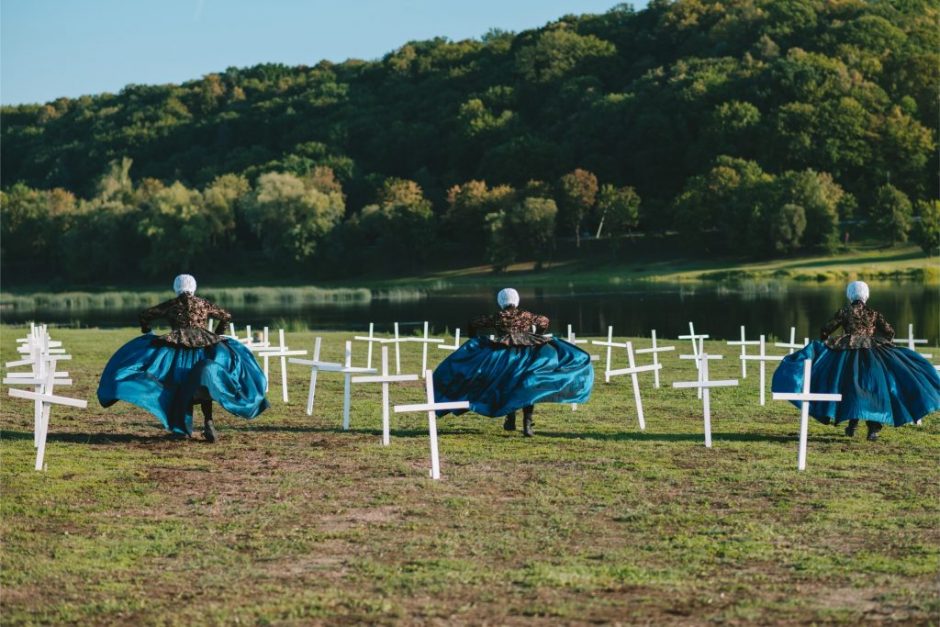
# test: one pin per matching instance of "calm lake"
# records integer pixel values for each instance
(632, 309)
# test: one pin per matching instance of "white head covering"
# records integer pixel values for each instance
(184, 283)
(857, 290)
(507, 297)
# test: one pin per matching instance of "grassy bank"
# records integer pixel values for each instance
(288, 519)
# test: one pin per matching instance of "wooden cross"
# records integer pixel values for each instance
(698, 340)
(43, 377)
(258, 347)
(705, 385)
(316, 365)
(763, 358)
(47, 400)
(655, 350)
(610, 344)
(792, 345)
(910, 341)
(431, 407)
(574, 340)
(370, 339)
(424, 341)
(805, 397)
(455, 345)
(385, 379)
(283, 353)
(633, 370)
(743, 343)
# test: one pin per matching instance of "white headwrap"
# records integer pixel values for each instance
(507, 297)
(184, 283)
(857, 290)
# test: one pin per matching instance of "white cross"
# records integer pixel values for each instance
(792, 345)
(257, 347)
(633, 370)
(455, 345)
(385, 378)
(283, 353)
(763, 358)
(315, 367)
(744, 343)
(695, 345)
(574, 340)
(348, 371)
(43, 377)
(705, 385)
(805, 397)
(431, 407)
(42, 374)
(47, 400)
(910, 341)
(610, 344)
(425, 340)
(655, 350)
(370, 339)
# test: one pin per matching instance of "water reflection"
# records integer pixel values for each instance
(770, 308)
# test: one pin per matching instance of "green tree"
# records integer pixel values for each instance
(557, 52)
(577, 192)
(619, 209)
(291, 218)
(926, 232)
(786, 228)
(892, 213)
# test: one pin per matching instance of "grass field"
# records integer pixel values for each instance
(290, 520)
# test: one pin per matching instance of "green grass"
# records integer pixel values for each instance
(288, 519)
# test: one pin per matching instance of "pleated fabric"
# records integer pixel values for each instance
(498, 379)
(887, 384)
(164, 379)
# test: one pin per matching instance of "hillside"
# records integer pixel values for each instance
(771, 121)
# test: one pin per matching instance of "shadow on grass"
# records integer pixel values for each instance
(644, 436)
(399, 433)
(89, 438)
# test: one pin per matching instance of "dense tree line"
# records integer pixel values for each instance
(754, 126)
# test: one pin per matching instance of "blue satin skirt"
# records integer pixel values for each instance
(886, 384)
(499, 379)
(164, 379)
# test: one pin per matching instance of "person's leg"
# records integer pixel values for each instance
(873, 429)
(853, 425)
(510, 423)
(527, 422)
(208, 429)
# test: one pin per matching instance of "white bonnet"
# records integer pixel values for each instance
(507, 297)
(857, 290)
(184, 283)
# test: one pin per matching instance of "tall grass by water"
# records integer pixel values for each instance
(226, 297)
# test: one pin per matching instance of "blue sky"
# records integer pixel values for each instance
(53, 48)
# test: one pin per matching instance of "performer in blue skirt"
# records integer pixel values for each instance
(168, 374)
(879, 382)
(516, 369)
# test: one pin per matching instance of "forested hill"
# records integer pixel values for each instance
(771, 120)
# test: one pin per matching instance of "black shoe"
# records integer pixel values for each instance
(527, 425)
(850, 431)
(872, 436)
(209, 431)
(510, 423)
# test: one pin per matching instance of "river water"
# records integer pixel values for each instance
(632, 309)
